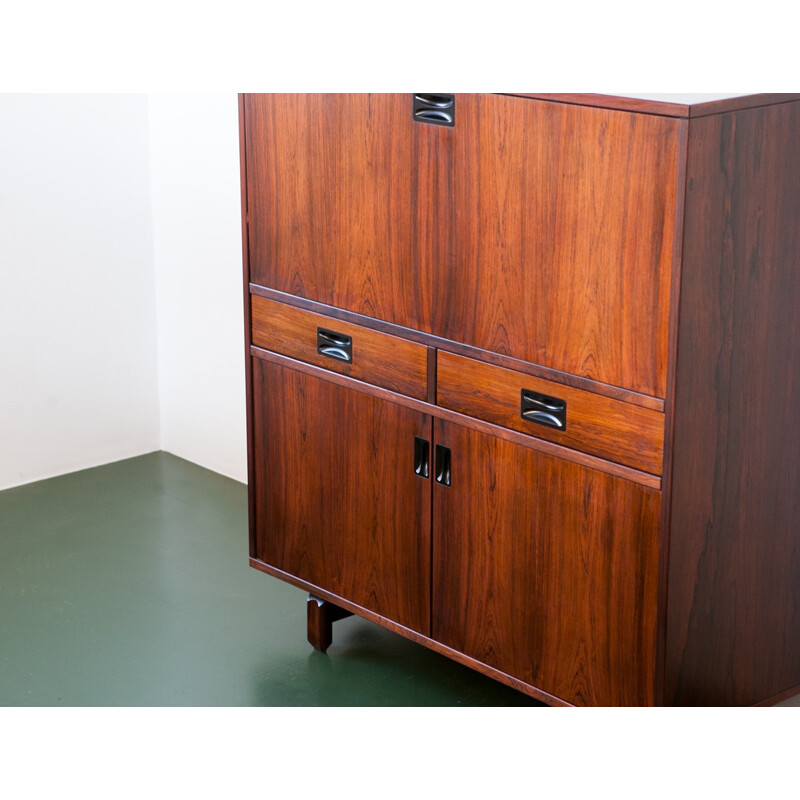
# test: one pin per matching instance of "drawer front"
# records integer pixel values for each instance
(598, 425)
(373, 357)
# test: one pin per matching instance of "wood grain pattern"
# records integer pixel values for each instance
(546, 570)
(688, 108)
(337, 500)
(733, 624)
(564, 253)
(506, 434)
(414, 636)
(429, 340)
(598, 425)
(669, 418)
(344, 201)
(378, 358)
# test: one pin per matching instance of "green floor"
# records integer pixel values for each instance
(128, 585)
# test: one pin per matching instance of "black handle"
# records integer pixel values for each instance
(334, 345)
(437, 109)
(544, 410)
(442, 465)
(422, 451)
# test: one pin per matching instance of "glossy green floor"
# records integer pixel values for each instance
(128, 585)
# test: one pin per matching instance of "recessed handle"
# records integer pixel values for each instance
(334, 345)
(543, 409)
(422, 451)
(437, 109)
(435, 100)
(442, 465)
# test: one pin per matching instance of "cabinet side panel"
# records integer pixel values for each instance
(733, 618)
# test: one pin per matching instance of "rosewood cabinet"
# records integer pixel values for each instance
(523, 381)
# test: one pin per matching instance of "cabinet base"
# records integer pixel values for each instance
(414, 636)
(321, 616)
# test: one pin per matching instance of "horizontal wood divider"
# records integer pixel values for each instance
(431, 340)
(593, 462)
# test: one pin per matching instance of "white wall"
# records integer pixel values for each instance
(194, 175)
(78, 377)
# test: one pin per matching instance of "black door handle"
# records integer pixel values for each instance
(442, 465)
(422, 451)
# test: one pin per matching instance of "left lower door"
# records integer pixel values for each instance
(338, 502)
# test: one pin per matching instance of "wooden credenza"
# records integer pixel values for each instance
(524, 382)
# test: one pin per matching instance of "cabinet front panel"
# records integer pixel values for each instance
(546, 570)
(337, 500)
(343, 193)
(592, 423)
(564, 224)
(387, 361)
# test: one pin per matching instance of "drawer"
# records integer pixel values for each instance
(373, 357)
(601, 426)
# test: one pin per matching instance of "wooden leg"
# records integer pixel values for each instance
(321, 616)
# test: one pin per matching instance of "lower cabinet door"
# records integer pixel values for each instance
(338, 501)
(545, 569)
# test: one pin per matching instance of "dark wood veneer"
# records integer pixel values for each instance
(321, 615)
(385, 360)
(607, 428)
(414, 636)
(733, 624)
(440, 343)
(326, 512)
(669, 412)
(546, 570)
(565, 219)
(343, 192)
(506, 434)
(639, 259)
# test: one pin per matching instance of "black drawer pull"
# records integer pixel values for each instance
(442, 465)
(422, 451)
(334, 345)
(544, 410)
(435, 100)
(437, 109)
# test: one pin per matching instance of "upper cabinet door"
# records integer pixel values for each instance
(564, 222)
(343, 195)
(540, 230)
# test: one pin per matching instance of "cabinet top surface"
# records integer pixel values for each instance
(669, 104)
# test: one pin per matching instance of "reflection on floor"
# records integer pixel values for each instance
(128, 585)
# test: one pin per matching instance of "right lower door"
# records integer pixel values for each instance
(545, 569)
